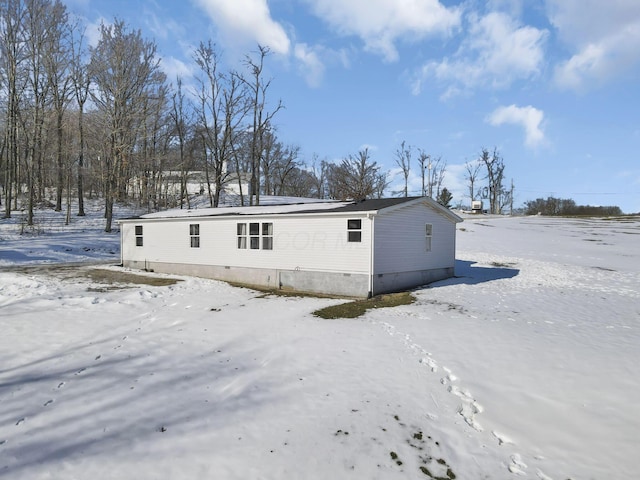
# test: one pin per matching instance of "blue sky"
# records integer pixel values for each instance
(552, 84)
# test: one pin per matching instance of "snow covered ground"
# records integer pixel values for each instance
(523, 366)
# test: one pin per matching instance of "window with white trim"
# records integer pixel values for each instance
(259, 236)
(194, 233)
(138, 232)
(354, 230)
(428, 235)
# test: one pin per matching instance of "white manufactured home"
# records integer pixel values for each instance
(355, 249)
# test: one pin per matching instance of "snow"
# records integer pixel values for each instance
(283, 205)
(523, 366)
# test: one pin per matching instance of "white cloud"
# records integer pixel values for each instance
(528, 117)
(497, 51)
(174, 68)
(381, 23)
(311, 66)
(247, 20)
(93, 31)
(603, 35)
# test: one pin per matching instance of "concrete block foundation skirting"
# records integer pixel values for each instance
(329, 283)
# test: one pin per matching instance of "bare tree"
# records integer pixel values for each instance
(39, 37)
(286, 170)
(472, 171)
(13, 58)
(356, 178)
(403, 160)
(125, 72)
(495, 175)
(262, 117)
(58, 61)
(179, 117)
(80, 82)
(437, 169)
(424, 160)
(151, 152)
(318, 172)
(223, 106)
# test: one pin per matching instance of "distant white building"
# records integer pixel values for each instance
(195, 184)
(355, 249)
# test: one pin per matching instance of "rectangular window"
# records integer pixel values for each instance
(242, 235)
(428, 235)
(259, 236)
(139, 241)
(354, 230)
(194, 233)
(267, 236)
(254, 236)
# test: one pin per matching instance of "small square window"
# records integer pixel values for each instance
(355, 224)
(355, 236)
(195, 242)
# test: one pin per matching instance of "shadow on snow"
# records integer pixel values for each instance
(470, 273)
(77, 404)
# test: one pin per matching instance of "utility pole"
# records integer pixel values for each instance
(430, 183)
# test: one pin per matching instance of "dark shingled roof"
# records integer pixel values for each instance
(364, 205)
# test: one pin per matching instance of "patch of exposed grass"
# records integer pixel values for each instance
(359, 307)
(114, 277)
(503, 264)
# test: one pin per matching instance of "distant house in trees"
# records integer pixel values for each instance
(354, 249)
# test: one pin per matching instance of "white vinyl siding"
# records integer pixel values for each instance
(298, 242)
(401, 237)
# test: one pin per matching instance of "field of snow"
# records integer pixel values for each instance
(523, 366)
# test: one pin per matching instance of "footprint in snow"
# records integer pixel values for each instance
(47, 403)
(517, 466)
(501, 438)
(61, 384)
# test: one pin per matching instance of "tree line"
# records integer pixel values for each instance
(104, 121)
(553, 206)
